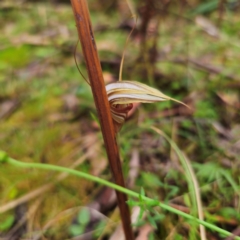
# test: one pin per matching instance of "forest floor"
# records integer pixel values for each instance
(190, 52)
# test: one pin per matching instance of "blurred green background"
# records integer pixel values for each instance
(189, 50)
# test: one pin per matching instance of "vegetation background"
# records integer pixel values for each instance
(189, 50)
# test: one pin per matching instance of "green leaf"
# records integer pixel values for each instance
(139, 223)
(152, 221)
(5, 225)
(229, 213)
(150, 180)
(142, 192)
(206, 7)
(99, 228)
(76, 230)
(84, 216)
(151, 236)
(95, 118)
(178, 237)
(207, 171)
(132, 203)
(158, 216)
(141, 214)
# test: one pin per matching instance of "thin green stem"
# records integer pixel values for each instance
(5, 159)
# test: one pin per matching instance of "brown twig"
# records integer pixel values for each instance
(89, 48)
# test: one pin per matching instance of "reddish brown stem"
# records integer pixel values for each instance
(89, 48)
